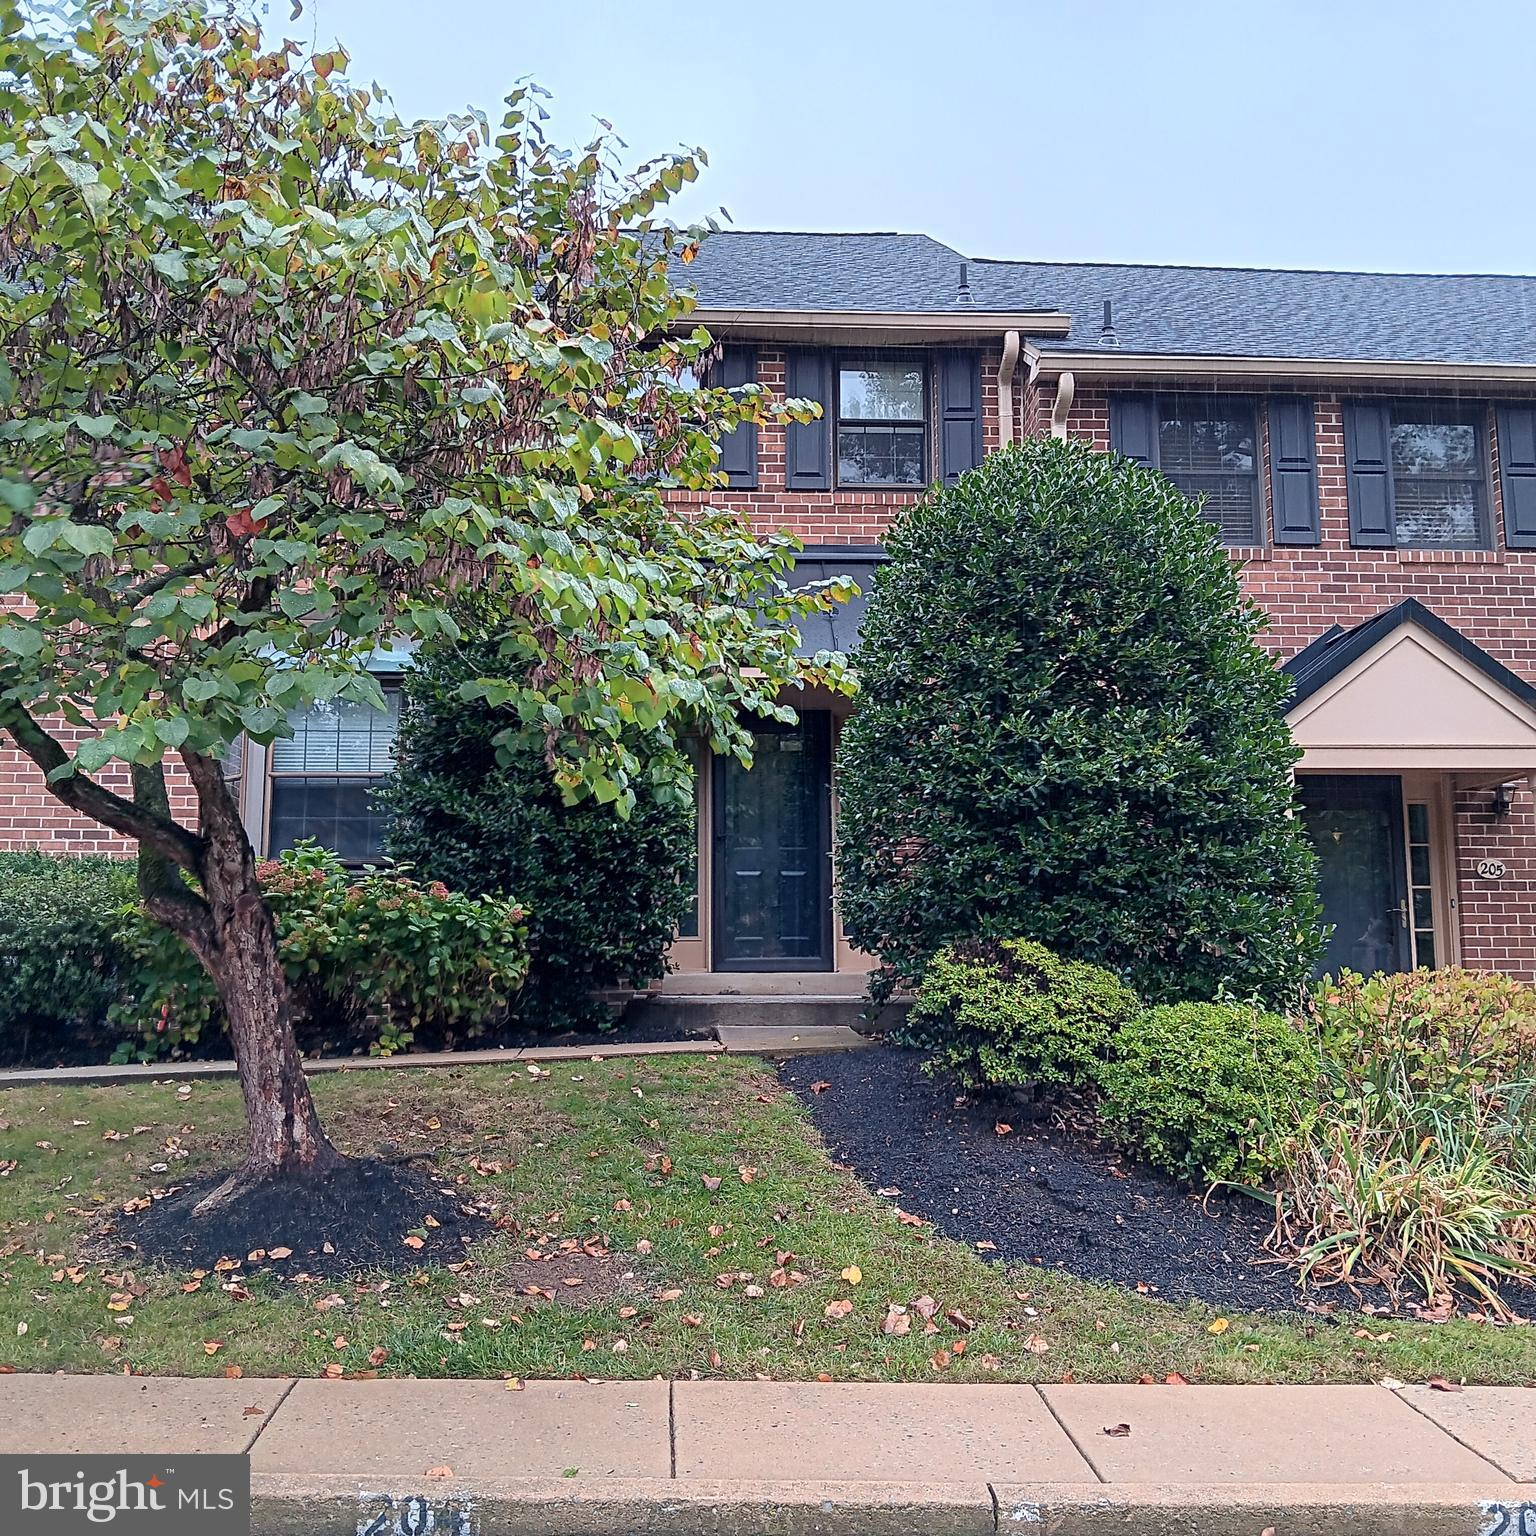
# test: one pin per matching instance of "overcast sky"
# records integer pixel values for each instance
(1392, 135)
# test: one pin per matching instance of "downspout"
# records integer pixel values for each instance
(1005, 372)
(1061, 406)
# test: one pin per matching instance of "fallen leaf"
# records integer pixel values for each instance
(896, 1323)
(212, 1346)
(514, 1383)
(377, 1355)
(279, 1253)
(925, 1306)
(1036, 1345)
(991, 1363)
(438, 1474)
(747, 1174)
(958, 1347)
(958, 1318)
(234, 1373)
(709, 1182)
(1173, 1379)
(1220, 1325)
(1440, 1384)
(820, 1087)
(413, 1242)
(840, 1308)
(940, 1359)
(334, 1370)
(853, 1274)
(1117, 1431)
(1003, 1128)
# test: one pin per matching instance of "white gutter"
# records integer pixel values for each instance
(1005, 372)
(895, 325)
(1163, 365)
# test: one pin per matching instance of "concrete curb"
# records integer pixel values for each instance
(328, 1505)
(735, 1040)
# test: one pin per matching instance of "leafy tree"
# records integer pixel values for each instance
(1067, 733)
(279, 371)
(603, 895)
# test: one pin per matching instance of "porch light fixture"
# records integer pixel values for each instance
(1503, 799)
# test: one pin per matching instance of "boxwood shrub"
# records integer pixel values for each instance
(1012, 1014)
(62, 963)
(1192, 1087)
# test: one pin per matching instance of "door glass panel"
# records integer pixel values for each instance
(1422, 889)
(1355, 827)
(772, 898)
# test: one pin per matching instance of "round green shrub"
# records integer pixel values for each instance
(1192, 1086)
(1012, 1014)
(62, 965)
(1067, 731)
(604, 894)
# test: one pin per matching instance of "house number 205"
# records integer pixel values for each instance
(1490, 869)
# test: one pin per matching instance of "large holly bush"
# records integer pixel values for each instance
(604, 894)
(1067, 732)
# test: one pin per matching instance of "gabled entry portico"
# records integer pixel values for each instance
(1395, 718)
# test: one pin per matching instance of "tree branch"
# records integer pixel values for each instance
(165, 894)
(80, 793)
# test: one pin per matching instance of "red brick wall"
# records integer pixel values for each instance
(1486, 595)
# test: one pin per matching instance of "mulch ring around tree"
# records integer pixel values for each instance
(1036, 1195)
(368, 1214)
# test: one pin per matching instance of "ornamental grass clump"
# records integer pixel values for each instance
(1417, 1169)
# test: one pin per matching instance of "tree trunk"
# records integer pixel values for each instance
(239, 952)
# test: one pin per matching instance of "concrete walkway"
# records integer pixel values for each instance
(335, 1458)
(729, 1039)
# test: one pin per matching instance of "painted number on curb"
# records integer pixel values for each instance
(392, 1514)
(1508, 1519)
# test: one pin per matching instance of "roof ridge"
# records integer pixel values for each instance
(1190, 266)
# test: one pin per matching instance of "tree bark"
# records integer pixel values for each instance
(239, 952)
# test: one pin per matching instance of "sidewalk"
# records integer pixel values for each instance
(339, 1458)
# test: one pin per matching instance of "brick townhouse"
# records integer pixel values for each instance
(1366, 445)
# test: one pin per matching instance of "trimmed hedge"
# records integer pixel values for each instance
(604, 895)
(63, 963)
(1013, 1014)
(1068, 732)
(1195, 1086)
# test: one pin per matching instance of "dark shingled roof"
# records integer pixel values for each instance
(1336, 648)
(1217, 311)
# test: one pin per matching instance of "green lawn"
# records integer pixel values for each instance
(608, 1155)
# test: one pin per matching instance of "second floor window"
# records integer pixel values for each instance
(882, 422)
(1209, 449)
(322, 778)
(1439, 490)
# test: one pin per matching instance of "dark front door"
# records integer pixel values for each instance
(1356, 828)
(773, 899)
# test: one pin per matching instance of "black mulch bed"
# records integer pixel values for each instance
(358, 1218)
(1042, 1196)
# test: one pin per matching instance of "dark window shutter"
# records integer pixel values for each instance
(1517, 474)
(959, 414)
(808, 446)
(738, 447)
(1293, 471)
(1133, 427)
(1368, 455)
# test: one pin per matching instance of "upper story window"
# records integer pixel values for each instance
(1209, 449)
(1439, 488)
(882, 422)
(1418, 475)
(321, 781)
(1208, 445)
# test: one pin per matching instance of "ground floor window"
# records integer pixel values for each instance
(321, 781)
